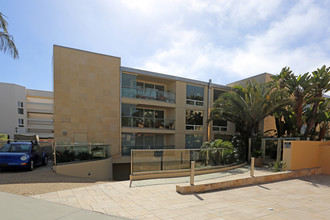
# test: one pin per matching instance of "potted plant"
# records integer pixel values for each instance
(258, 158)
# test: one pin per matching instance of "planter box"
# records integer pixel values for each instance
(258, 162)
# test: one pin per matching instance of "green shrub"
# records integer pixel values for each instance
(278, 166)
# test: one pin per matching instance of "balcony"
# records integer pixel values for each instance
(126, 150)
(144, 122)
(150, 94)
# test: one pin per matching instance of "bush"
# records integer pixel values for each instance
(278, 166)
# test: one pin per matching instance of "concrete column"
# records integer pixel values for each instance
(252, 167)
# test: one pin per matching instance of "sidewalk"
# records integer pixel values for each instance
(20, 207)
(300, 198)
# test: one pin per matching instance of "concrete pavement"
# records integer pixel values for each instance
(14, 207)
(301, 198)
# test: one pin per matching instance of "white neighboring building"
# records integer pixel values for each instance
(25, 111)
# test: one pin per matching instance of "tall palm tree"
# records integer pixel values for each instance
(247, 107)
(321, 81)
(298, 91)
(6, 40)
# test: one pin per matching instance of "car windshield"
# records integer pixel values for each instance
(16, 148)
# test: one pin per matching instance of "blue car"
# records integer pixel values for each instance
(24, 155)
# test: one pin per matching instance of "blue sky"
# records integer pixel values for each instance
(220, 40)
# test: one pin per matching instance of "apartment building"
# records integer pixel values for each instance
(98, 100)
(26, 111)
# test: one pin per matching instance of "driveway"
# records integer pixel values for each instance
(40, 180)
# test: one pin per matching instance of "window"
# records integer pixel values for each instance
(144, 118)
(131, 141)
(219, 125)
(194, 95)
(194, 120)
(193, 141)
(20, 108)
(216, 94)
(128, 85)
(20, 122)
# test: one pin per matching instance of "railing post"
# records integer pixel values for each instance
(252, 167)
(192, 172)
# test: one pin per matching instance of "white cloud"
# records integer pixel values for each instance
(294, 38)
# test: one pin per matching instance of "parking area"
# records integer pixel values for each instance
(40, 180)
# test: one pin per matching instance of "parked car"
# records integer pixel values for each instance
(24, 155)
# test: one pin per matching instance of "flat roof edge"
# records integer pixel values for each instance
(87, 51)
(170, 77)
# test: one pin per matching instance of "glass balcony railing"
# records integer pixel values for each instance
(151, 94)
(126, 150)
(142, 122)
(79, 153)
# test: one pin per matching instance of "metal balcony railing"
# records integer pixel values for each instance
(194, 102)
(194, 127)
(151, 94)
(219, 128)
(144, 122)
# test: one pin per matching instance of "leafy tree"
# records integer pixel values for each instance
(7, 40)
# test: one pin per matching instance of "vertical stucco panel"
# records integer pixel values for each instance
(325, 157)
(87, 96)
(304, 154)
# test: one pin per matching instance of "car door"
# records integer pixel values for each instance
(36, 153)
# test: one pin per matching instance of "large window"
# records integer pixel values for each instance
(130, 141)
(219, 125)
(194, 141)
(194, 95)
(132, 88)
(216, 94)
(194, 120)
(128, 85)
(144, 118)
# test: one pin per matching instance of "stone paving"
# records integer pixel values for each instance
(303, 198)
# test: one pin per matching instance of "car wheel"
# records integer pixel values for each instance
(31, 165)
(45, 161)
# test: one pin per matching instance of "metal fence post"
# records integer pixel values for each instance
(192, 172)
(252, 167)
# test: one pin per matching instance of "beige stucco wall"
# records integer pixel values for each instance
(86, 97)
(307, 154)
(98, 170)
(325, 157)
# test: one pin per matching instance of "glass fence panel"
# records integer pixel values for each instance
(78, 153)
(180, 159)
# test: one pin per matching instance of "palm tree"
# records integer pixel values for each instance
(247, 107)
(323, 118)
(298, 91)
(7, 40)
(321, 82)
